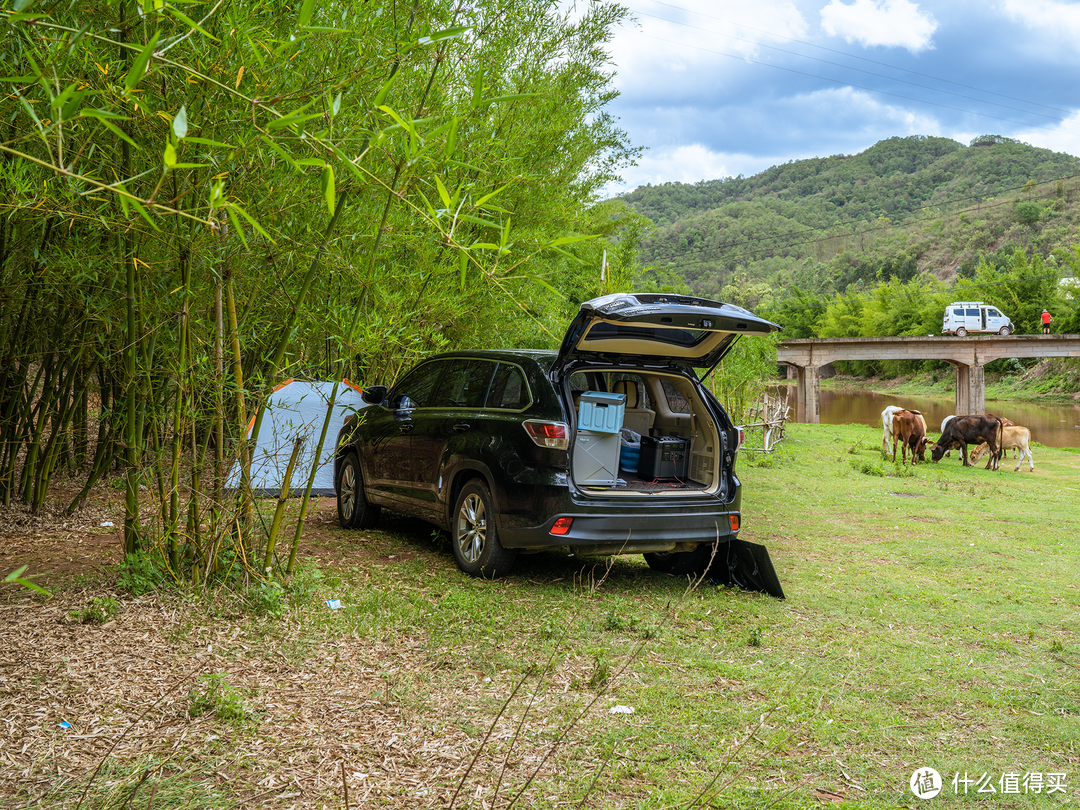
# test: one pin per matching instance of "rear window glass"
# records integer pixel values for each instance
(675, 401)
(465, 384)
(677, 337)
(509, 391)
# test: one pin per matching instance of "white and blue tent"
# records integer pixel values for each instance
(297, 408)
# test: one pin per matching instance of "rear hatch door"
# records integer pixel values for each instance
(672, 329)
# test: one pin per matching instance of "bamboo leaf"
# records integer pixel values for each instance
(464, 262)
(569, 240)
(291, 120)
(179, 123)
(250, 219)
(16, 576)
(170, 155)
(384, 91)
(186, 20)
(486, 197)
(477, 87)
(511, 97)
(441, 36)
(451, 138)
(544, 282)
(478, 221)
(97, 113)
(141, 210)
(444, 195)
(138, 67)
(238, 226)
(119, 133)
(307, 8)
(328, 188)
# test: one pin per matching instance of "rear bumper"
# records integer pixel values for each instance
(626, 531)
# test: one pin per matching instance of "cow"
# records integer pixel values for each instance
(1013, 437)
(1005, 423)
(887, 428)
(909, 430)
(964, 430)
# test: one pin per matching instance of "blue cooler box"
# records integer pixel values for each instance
(601, 412)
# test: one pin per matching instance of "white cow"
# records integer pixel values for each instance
(1013, 437)
(887, 426)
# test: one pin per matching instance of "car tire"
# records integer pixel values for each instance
(961, 332)
(354, 511)
(1004, 331)
(475, 536)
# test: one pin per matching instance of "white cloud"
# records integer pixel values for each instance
(892, 23)
(1060, 21)
(1063, 138)
(688, 164)
(696, 38)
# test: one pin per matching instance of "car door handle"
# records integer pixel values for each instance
(406, 427)
(462, 427)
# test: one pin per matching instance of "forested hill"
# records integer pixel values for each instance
(905, 206)
(891, 178)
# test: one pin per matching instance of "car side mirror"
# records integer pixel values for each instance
(405, 404)
(373, 394)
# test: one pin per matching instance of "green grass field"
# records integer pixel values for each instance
(930, 622)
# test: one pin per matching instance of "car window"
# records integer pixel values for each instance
(972, 313)
(642, 393)
(418, 384)
(465, 384)
(959, 312)
(993, 313)
(676, 402)
(509, 390)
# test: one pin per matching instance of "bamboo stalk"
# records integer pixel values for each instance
(279, 511)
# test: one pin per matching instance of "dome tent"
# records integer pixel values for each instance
(296, 408)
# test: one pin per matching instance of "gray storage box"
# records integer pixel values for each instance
(596, 458)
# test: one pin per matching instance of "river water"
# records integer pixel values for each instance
(1056, 425)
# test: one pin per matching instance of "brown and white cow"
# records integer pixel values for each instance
(964, 430)
(909, 430)
(1013, 437)
(887, 428)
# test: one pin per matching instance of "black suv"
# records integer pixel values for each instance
(610, 446)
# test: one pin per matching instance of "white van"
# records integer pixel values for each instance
(963, 317)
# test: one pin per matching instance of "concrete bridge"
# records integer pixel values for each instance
(967, 355)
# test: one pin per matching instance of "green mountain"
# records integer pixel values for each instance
(904, 207)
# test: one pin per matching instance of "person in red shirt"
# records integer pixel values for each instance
(1046, 318)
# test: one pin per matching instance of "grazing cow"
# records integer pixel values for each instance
(1013, 437)
(948, 454)
(964, 430)
(909, 430)
(887, 427)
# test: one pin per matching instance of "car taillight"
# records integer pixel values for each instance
(548, 434)
(734, 521)
(742, 439)
(561, 526)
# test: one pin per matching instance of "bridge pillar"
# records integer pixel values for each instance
(970, 389)
(808, 394)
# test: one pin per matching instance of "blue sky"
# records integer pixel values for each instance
(728, 87)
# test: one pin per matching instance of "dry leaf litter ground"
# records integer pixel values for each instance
(388, 718)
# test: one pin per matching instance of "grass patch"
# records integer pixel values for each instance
(930, 623)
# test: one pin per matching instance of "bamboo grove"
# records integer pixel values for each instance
(200, 199)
